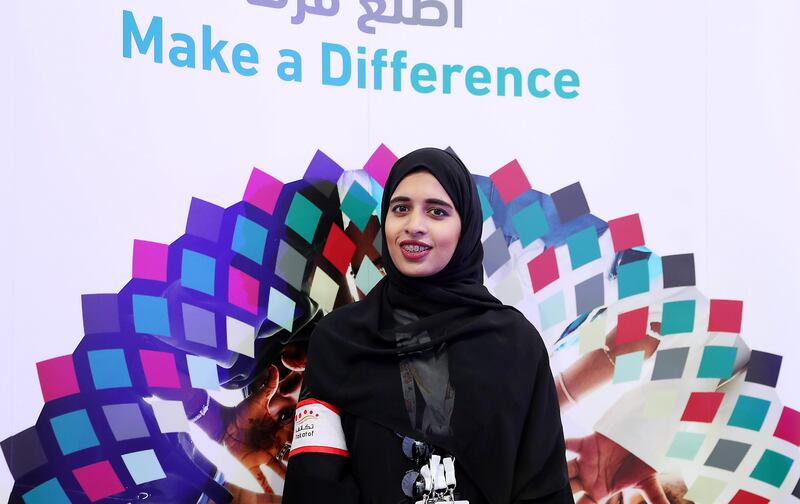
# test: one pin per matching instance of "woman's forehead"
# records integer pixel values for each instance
(421, 185)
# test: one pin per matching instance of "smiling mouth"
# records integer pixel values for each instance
(415, 248)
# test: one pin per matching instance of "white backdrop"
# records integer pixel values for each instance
(688, 114)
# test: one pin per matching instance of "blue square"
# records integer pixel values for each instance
(486, 207)
(197, 271)
(249, 239)
(143, 466)
(358, 205)
(633, 278)
(74, 431)
(109, 368)
(49, 492)
(202, 372)
(749, 412)
(717, 362)
(150, 315)
(583, 247)
(530, 223)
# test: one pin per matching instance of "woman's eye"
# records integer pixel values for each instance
(399, 208)
(438, 212)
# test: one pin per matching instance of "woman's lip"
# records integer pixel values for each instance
(414, 256)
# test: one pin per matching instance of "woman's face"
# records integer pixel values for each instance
(422, 226)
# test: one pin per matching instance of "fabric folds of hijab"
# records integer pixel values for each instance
(497, 360)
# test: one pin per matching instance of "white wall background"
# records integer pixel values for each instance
(688, 114)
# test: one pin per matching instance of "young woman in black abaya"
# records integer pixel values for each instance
(428, 356)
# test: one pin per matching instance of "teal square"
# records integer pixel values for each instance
(49, 492)
(633, 278)
(358, 204)
(583, 247)
(628, 367)
(772, 468)
(368, 276)
(530, 223)
(303, 217)
(197, 271)
(150, 315)
(143, 466)
(717, 362)
(486, 208)
(749, 413)
(109, 368)
(685, 445)
(678, 317)
(249, 239)
(552, 311)
(74, 431)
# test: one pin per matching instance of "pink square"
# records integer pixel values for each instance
(380, 164)
(57, 377)
(543, 269)
(788, 427)
(626, 232)
(263, 190)
(242, 290)
(159, 369)
(98, 480)
(150, 260)
(510, 181)
(725, 316)
(632, 325)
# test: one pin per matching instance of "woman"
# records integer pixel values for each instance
(429, 361)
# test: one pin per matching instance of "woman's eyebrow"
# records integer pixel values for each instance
(430, 201)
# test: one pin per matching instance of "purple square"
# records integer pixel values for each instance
(126, 421)
(763, 368)
(204, 220)
(100, 313)
(199, 325)
(263, 190)
(380, 164)
(570, 202)
(322, 168)
(23, 452)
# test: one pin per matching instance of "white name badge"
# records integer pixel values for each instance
(318, 429)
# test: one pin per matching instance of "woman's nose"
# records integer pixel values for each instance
(416, 223)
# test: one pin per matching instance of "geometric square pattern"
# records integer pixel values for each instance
(241, 337)
(530, 223)
(150, 260)
(249, 239)
(358, 204)
(678, 317)
(338, 249)
(727, 454)
(49, 492)
(745, 497)
(280, 309)
(632, 325)
(24, 452)
(551, 310)
(109, 368)
(380, 164)
(628, 367)
(788, 427)
(717, 362)
(74, 431)
(543, 269)
(570, 202)
(324, 290)
(98, 480)
(204, 220)
(772, 468)
(495, 252)
(160, 370)
(202, 372)
(626, 232)
(705, 490)
(291, 265)
(171, 416)
(583, 247)
(670, 363)
(262, 190)
(57, 377)
(143, 466)
(749, 413)
(199, 325)
(510, 181)
(150, 315)
(763, 368)
(678, 270)
(633, 278)
(242, 290)
(197, 271)
(303, 217)
(725, 316)
(126, 421)
(702, 407)
(685, 445)
(589, 294)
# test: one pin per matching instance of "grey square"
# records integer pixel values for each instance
(570, 202)
(378, 243)
(589, 294)
(495, 252)
(727, 454)
(199, 325)
(291, 265)
(126, 421)
(23, 452)
(678, 270)
(670, 363)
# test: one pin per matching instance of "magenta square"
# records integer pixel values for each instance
(98, 480)
(57, 377)
(543, 269)
(626, 232)
(159, 369)
(380, 164)
(263, 190)
(788, 427)
(242, 290)
(510, 181)
(150, 260)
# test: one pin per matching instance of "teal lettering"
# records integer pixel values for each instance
(290, 70)
(327, 78)
(213, 53)
(566, 78)
(244, 53)
(535, 91)
(130, 31)
(472, 78)
(417, 76)
(187, 51)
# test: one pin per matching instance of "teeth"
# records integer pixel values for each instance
(414, 248)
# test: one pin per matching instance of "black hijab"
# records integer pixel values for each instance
(497, 362)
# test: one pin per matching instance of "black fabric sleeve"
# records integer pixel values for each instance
(540, 474)
(319, 477)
